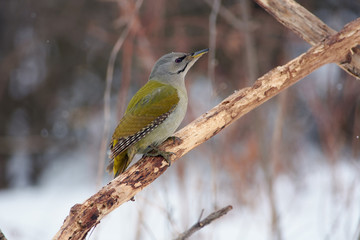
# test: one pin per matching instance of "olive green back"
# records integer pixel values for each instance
(150, 102)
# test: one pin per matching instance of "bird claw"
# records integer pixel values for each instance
(175, 139)
(157, 152)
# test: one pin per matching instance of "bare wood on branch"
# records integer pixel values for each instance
(87, 215)
(2, 236)
(202, 223)
(310, 28)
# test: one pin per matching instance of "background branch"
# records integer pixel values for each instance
(85, 216)
(202, 223)
(309, 27)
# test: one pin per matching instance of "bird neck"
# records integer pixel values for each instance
(178, 82)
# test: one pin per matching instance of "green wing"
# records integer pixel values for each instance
(150, 106)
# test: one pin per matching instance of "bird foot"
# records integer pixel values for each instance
(176, 140)
(157, 152)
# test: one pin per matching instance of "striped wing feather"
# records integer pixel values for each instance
(149, 107)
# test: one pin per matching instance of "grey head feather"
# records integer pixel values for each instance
(172, 68)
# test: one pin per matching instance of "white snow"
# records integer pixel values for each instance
(323, 203)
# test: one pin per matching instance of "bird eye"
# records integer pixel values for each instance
(179, 60)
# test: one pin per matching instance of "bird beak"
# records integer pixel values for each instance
(198, 54)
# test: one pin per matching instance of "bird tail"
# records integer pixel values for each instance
(119, 164)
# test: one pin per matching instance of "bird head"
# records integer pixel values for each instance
(174, 66)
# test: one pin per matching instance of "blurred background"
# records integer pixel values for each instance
(290, 168)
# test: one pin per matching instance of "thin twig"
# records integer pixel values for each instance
(273, 163)
(211, 74)
(109, 79)
(250, 50)
(201, 214)
(231, 19)
(212, 42)
(200, 224)
(127, 54)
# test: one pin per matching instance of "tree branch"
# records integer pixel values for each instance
(2, 236)
(202, 223)
(310, 28)
(83, 217)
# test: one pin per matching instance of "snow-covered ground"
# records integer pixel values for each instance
(324, 203)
